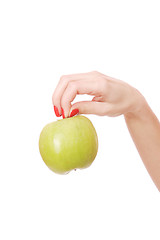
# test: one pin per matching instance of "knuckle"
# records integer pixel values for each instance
(104, 84)
(72, 86)
(95, 73)
(63, 78)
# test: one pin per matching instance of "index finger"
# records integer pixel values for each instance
(77, 87)
(63, 82)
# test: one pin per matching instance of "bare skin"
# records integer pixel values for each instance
(112, 97)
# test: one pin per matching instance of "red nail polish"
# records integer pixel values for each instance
(63, 113)
(56, 111)
(74, 112)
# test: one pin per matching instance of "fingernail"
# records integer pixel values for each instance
(56, 111)
(62, 113)
(74, 112)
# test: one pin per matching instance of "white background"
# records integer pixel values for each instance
(40, 41)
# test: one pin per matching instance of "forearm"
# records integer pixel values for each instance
(144, 128)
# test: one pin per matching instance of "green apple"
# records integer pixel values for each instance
(68, 144)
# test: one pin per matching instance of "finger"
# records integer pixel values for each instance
(63, 82)
(91, 107)
(77, 87)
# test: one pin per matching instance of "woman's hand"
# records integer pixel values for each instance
(112, 97)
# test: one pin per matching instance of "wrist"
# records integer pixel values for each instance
(139, 106)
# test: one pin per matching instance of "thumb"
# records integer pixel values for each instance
(90, 107)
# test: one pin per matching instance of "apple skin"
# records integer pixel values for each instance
(68, 144)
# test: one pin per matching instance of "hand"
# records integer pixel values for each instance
(112, 97)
